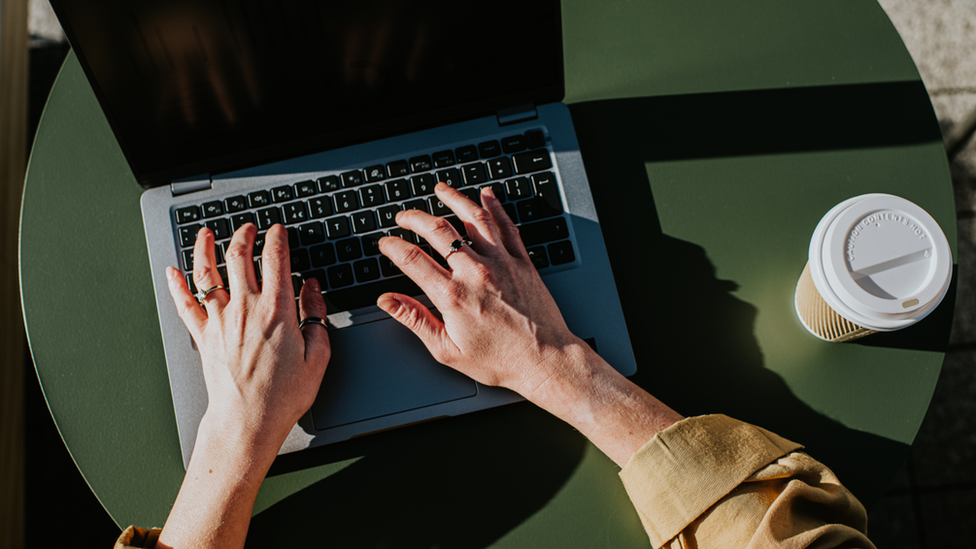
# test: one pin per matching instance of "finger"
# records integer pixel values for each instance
(419, 320)
(205, 273)
(477, 221)
(507, 230)
(190, 312)
(420, 267)
(276, 267)
(240, 260)
(311, 305)
(435, 230)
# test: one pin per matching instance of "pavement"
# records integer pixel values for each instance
(932, 500)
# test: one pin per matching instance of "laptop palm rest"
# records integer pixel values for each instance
(365, 380)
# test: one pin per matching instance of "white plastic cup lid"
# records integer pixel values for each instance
(880, 261)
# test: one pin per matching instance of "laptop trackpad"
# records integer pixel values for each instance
(381, 368)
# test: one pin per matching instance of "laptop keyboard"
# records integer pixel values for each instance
(335, 222)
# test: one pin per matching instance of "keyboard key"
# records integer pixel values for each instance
(346, 201)
(319, 275)
(363, 222)
(296, 283)
(259, 199)
(340, 276)
(235, 204)
(188, 260)
(468, 153)
(294, 241)
(489, 149)
(499, 168)
(337, 227)
(437, 207)
(514, 144)
(351, 179)
(538, 256)
(397, 190)
(422, 184)
(371, 196)
(420, 164)
(371, 244)
(349, 249)
(443, 159)
(322, 256)
(474, 174)
(294, 212)
(532, 161)
(472, 194)
(518, 188)
(268, 217)
(535, 139)
(213, 209)
(404, 234)
(259, 241)
(375, 173)
(545, 188)
(561, 253)
(366, 270)
(220, 228)
(328, 184)
(365, 294)
(239, 220)
(305, 188)
(451, 177)
(312, 233)
(497, 189)
(388, 268)
(281, 194)
(187, 214)
(188, 234)
(398, 169)
(529, 210)
(319, 207)
(300, 260)
(415, 205)
(548, 230)
(387, 215)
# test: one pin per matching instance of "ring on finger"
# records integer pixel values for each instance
(456, 246)
(202, 294)
(312, 320)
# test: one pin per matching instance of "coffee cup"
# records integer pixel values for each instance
(877, 263)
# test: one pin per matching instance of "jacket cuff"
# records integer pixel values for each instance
(134, 537)
(687, 468)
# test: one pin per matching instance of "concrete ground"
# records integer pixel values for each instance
(932, 501)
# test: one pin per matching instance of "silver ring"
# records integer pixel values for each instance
(456, 246)
(202, 294)
(312, 320)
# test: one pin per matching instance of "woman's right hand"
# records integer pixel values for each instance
(499, 325)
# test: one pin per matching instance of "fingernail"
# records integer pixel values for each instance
(487, 192)
(389, 304)
(172, 273)
(313, 284)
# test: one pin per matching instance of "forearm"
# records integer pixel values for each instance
(216, 501)
(612, 412)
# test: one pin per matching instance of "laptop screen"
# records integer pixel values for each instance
(203, 86)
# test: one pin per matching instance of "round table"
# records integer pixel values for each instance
(715, 135)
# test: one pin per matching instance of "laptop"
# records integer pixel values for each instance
(329, 118)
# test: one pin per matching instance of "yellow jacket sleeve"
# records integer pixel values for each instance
(714, 482)
(133, 537)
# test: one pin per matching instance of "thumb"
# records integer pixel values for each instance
(419, 320)
(311, 305)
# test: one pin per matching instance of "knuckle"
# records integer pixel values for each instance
(481, 217)
(236, 252)
(439, 226)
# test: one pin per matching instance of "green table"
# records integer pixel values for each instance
(715, 135)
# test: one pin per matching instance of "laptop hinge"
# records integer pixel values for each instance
(191, 185)
(517, 114)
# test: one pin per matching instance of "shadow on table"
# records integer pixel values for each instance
(466, 482)
(701, 335)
